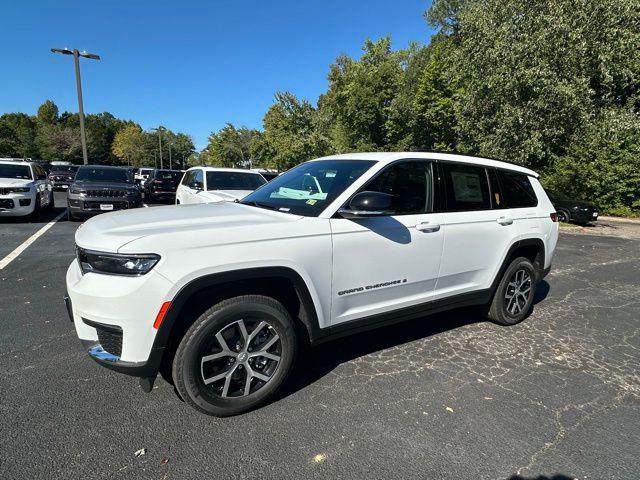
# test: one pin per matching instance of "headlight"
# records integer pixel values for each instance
(115, 264)
(77, 191)
(18, 189)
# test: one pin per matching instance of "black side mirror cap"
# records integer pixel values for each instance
(369, 204)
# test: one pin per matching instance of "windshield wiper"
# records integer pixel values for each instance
(259, 205)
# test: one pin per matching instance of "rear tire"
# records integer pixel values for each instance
(513, 298)
(563, 216)
(218, 368)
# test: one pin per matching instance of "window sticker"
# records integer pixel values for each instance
(466, 187)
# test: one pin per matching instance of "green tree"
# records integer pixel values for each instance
(602, 163)
(291, 134)
(132, 145)
(534, 73)
(360, 97)
(48, 113)
(101, 129)
(18, 136)
(231, 147)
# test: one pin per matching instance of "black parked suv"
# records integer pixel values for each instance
(575, 211)
(98, 189)
(161, 185)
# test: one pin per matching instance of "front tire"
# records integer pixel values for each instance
(235, 356)
(513, 298)
(70, 216)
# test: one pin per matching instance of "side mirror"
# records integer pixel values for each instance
(197, 186)
(368, 204)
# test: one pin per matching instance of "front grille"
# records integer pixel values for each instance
(109, 336)
(107, 193)
(96, 205)
(6, 203)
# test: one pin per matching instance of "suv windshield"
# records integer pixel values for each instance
(64, 168)
(103, 175)
(233, 181)
(174, 175)
(22, 172)
(308, 188)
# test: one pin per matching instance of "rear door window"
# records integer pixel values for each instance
(517, 189)
(466, 187)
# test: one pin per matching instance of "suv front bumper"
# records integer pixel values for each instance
(17, 204)
(113, 316)
(87, 206)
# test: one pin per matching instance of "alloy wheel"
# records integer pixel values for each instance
(243, 358)
(518, 292)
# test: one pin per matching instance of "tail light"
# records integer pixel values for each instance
(554, 217)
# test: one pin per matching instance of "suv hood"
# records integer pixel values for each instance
(228, 195)
(107, 186)
(15, 182)
(164, 227)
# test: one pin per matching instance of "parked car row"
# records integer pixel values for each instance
(27, 187)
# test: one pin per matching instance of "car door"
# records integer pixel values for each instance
(521, 201)
(183, 194)
(42, 185)
(196, 187)
(388, 262)
(478, 230)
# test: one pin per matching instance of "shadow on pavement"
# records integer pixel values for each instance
(320, 360)
(542, 477)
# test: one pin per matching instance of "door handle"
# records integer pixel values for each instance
(504, 221)
(428, 227)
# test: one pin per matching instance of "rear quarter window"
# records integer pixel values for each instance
(516, 189)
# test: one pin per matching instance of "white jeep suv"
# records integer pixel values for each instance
(210, 184)
(24, 189)
(219, 297)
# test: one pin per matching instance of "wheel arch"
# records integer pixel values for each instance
(281, 283)
(531, 248)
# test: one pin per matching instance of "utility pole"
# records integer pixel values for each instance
(169, 156)
(76, 60)
(159, 130)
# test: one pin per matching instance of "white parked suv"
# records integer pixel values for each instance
(219, 297)
(24, 189)
(209, 184)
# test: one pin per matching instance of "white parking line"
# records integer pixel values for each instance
(24, 245)
(145, 205)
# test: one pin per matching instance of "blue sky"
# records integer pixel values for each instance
(191, 66)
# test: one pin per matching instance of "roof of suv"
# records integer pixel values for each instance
(388, 157)
(17, 162)
(220, 169)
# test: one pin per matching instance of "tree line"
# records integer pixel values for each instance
(50, 135)
(551, 85)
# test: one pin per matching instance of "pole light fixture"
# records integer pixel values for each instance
(160, 129)
(76, 60)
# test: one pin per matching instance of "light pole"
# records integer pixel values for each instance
(159, 130)
(76, 59)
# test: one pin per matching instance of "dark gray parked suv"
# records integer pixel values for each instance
(99, 189)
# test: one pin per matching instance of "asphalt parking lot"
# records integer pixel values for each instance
(448, 396)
